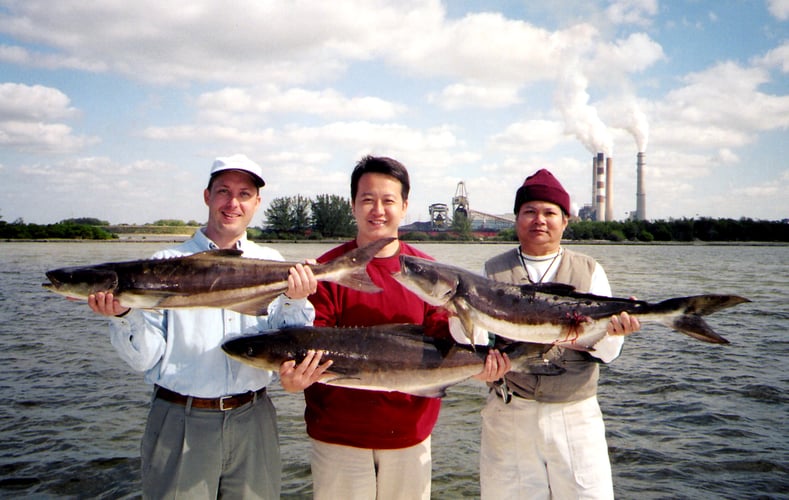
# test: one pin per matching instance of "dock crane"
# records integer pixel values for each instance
(460, 205)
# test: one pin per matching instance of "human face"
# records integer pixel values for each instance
(540, 225)
(379, 208)
(232, 202)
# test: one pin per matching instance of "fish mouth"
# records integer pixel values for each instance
(54, 282)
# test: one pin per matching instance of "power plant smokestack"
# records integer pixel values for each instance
(609, 189)
(641, 197)
(600, 189)
(594, 187)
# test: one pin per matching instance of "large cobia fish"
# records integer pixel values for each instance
(549, 313)
(395, 357)
(216, 278)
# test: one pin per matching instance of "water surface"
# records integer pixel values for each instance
(684, 419)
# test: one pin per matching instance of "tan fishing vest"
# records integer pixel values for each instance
(580, 379)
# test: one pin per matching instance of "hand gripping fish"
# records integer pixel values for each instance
(216, 278)
(549, 313)
(395, 357)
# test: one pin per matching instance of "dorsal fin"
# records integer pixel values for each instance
(220, 252)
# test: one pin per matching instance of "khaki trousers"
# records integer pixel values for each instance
(363, 474)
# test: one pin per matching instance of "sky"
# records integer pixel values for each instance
(116, 110)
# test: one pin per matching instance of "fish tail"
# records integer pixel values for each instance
(357, 260)
(689, 312)
(701, 305)
(694, 326)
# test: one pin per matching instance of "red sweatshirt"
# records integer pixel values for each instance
(372, 419)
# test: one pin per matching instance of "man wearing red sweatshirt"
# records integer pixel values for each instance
(371, 444)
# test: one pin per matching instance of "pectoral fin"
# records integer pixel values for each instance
(463, 313)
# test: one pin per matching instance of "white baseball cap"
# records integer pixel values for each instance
(239, 162)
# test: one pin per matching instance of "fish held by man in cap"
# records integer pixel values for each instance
(216, 278)
(395, 357)
(549, 313)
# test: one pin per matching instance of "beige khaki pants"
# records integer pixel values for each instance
(363, 474)
(540, 451)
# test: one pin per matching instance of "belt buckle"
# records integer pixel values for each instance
(222, 403)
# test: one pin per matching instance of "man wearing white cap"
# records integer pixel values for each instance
(211, 430)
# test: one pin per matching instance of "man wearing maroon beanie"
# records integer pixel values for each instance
(543, 436)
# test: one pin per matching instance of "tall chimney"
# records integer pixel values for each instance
(641, 196)
(600, 189)
(609, 189)
(594, 187)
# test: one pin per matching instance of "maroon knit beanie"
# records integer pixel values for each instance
(542, 186)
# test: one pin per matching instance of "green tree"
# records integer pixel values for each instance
(461, 225)
(88, 221)
(279, 215)
(332, 216)
(301, 214)
(169, 222)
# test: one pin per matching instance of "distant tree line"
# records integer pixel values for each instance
(73, 229)
(325, 216)
(330, 216)
(702, 229)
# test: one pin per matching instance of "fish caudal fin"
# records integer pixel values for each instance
(702, 305)
(690, 321)
(695, 326)
(356, 262)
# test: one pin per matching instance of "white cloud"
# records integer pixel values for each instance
(229, 105)
(176, 42)
(779, 9)
(33, 102)
(777, 57)
(25, 111)
(636, 12)
(530, 136)
(469, 95)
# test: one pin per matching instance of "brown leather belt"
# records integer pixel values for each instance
(224, 403)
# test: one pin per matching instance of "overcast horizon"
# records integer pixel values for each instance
(116, 110)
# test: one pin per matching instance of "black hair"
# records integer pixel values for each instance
(380, 165)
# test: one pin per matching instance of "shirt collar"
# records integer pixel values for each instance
(206, 242)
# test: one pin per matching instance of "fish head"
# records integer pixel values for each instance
(79, 282)
(262, 350)
(433, 282)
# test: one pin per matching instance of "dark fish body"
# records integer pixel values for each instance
(549, 313)
(381, 358)
(216, 278)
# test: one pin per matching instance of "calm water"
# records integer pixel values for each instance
(684, 419)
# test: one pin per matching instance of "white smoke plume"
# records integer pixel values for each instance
(638, 126)
(580, 118)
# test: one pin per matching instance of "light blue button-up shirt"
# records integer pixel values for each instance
(180, 349)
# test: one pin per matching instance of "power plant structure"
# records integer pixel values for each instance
(442, 216)
(602, 207)
(641, 196)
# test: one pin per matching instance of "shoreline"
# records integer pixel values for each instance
(179, 238)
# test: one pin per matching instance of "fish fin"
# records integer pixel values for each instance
(257, 306)
(690, 321)
(358, 259)
(403, 329)
(438, 392)
(551, 288)
(701, 305)
(463, 312)
(694, 326)
(220, 252)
